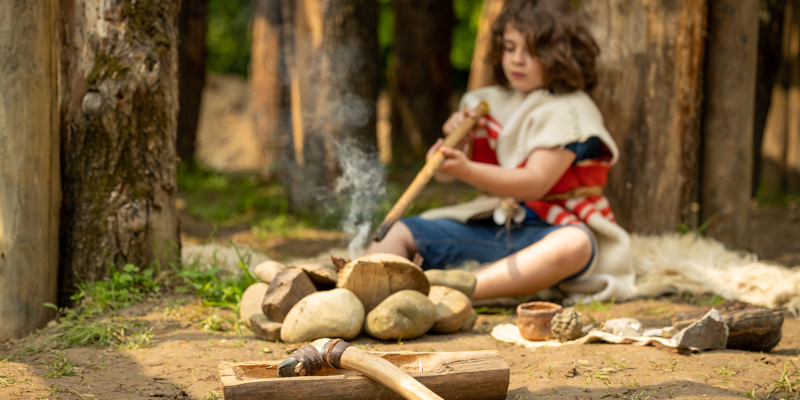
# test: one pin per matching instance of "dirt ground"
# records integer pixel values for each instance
(181, 360)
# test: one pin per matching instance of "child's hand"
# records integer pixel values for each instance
(456, 119)
(455, 165)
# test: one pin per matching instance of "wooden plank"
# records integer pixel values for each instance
(727, 127)
(451, 375)
(29, 166)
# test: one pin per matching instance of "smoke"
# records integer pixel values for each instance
(361, 184)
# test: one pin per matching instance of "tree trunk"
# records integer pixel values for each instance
(793, 102)
(266, 78)
(481, 74)
(192, 73)
(333, 72)
(728, 111)
(770, 35)
(29, 159)
(119, 106)
(421, 75)
(649, 75)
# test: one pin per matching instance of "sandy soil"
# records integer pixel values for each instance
(181, 361)
(182, 358)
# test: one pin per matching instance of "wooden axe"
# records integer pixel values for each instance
(337, 353)
(427, 172)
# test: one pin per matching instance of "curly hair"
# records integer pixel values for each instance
(556, 36)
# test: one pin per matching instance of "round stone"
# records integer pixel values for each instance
(403, 315)
(335, 313)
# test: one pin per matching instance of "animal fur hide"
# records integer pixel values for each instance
(676, 263)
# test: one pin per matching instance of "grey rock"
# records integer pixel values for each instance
(452, 309)
(335, 313)
(406, 314)
(265, 329)
(469, 324)
(325, 274)
(251, 301)
(463, 281)
(566, 325)
(623, 327)
(710, 333)
(288, 288)
(267, 270)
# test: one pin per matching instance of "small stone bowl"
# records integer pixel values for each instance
(533, 319)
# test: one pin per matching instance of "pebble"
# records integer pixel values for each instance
(335, 313)
(406, 314)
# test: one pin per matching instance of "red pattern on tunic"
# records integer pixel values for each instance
(584, 173)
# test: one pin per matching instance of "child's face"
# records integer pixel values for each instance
(523, 70)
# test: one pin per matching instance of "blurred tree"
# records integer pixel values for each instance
(267, 82)
(192, 73)
(480, 73)
(420, 76)
(119, 107)
(332, 62)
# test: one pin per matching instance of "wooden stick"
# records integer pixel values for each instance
(372, 366)
(425, 175)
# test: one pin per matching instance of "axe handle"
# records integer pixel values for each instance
(386, 373)
(427, 172)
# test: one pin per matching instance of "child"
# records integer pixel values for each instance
(543, 154)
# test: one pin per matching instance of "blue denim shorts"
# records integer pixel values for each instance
(445, 243)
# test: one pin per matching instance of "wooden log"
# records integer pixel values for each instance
(727, 128)
(376, 276)
(451, 375)
(288, 287)
(648, 91)
(750, 327)
(29, 166)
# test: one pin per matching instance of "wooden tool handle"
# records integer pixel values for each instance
(357, 360)
(425, 175)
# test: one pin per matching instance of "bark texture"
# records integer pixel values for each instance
(119, 107)
(420, 75)
(333, 72)
(29, 175)
(793, 100)
(729, 96)
(649, 82)
(192, 77)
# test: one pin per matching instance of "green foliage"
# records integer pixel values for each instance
(226, 199)
(121, 289)
(228, 36)
(789, 381)
(59, 367)
(5, 380)
(496, 310)
(468, 16)
(595, 305)
(214, 289)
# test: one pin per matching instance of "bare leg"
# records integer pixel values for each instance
(557, 256)
(398, 240)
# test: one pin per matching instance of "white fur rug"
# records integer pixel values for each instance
(675, 263)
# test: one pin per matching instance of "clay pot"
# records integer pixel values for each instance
(533, 319)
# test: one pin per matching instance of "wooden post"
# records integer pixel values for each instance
(480, 73)
(29, 166)
(793, 101)
(727, 127)
(266, 80)
(648, 91)
(774, 148)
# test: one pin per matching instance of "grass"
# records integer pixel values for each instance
(59, 367)
(595, 305)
